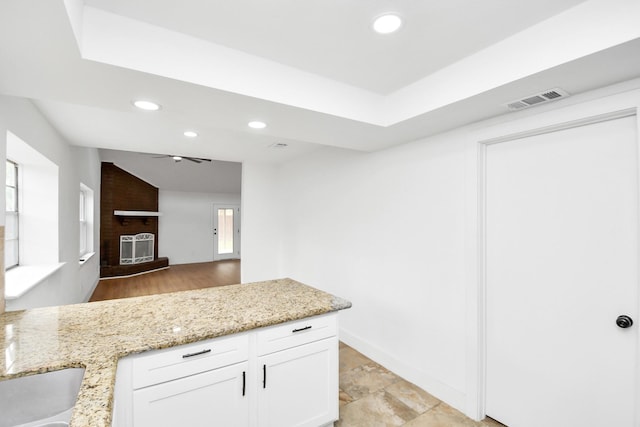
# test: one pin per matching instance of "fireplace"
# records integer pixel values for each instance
(136, 249)
(128, 224)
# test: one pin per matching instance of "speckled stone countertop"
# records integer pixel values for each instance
(95, 335)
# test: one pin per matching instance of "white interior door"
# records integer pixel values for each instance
(226, 232)
(561, 266)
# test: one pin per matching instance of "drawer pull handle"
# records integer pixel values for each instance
(184, 356)
(244, 382)
(301, 329)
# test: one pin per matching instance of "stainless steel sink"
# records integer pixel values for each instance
(42, 400)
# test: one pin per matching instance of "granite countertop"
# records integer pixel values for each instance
(95, 335)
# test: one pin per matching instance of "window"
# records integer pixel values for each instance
(83, 222)
(11, 242)
(86, 220)
(35, 215)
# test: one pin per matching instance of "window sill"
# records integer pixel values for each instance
(20, 280)
(86, 257)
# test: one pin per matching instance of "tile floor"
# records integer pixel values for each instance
(372, 396)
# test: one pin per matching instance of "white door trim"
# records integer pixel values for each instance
(237, 230)
(608, 108)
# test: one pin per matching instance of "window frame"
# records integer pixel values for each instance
(12, 211)
(83, 221)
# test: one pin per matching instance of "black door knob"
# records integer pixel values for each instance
(624, 321)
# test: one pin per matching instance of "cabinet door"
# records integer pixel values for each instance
(299, 386)
(213, 398)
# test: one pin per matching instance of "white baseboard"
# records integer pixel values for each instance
(442, 391)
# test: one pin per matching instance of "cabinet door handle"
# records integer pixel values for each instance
(184, 356)
(244, 382)
(264, 376)
(301, 329)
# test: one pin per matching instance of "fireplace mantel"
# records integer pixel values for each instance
(143, 215)
(136, 213)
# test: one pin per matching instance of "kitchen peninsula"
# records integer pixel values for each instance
(98, 335)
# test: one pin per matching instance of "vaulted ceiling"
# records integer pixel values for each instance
(313, 71)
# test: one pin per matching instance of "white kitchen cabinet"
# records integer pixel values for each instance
(221, 382)
(299, 386)
(192, 384)
(213, 398)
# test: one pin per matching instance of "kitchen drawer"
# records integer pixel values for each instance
(177, 362)
(298, 332)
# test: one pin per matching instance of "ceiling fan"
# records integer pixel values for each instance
(180, 158)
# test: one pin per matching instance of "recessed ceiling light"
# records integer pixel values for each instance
(190, 134)
(257, 125)
(176, 158)
(146, 105)
(387, 23)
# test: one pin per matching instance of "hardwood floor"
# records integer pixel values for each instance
(180, 277)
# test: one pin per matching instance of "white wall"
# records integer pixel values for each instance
(72, 282)
(3, 167)
(261, 212)
(88, 169)
(185, 229)
(385, 231)
(390, 231)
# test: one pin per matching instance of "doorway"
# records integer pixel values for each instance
(561, 271)
(226, 232)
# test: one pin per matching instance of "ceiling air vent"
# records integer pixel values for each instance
(538, 98)
(279, 145)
